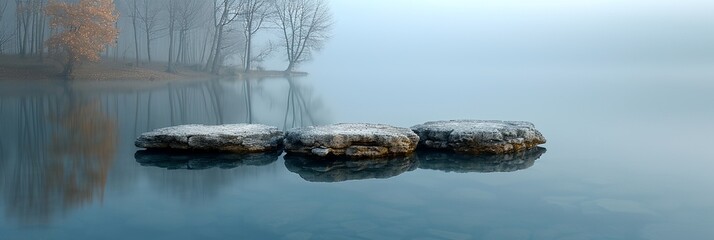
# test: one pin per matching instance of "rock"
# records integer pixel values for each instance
(354, 140)
(478, 136)
(243, 138)
(464, 163)
(343, 169)
(203, 160)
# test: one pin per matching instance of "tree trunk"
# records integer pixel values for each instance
(19, 38)
(248, 43)
(116, 44)
(33, 30)
(291, 66)
(136, 39)
(42, 36)
(180, 47)
(216, 58)
(148, 30)
(148, 45)
(211, 54)
(170, 67)
(25, 22)
(203, 51)
(68, 69)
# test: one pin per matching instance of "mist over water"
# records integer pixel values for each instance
(621, 90)
(486, 33)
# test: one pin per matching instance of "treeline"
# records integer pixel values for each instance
(202, 34)
(28, 34)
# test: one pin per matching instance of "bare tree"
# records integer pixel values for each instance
(253, 15)
(22, 13)
(149, 20)
(3, 7)
(214, 25)
(39, 26)
(304, 26)
(31, 24)
(264, 53)
(188, 13)
(134, 15)
(225, 12)
(205, 44)
(5, 36)
(172, 7)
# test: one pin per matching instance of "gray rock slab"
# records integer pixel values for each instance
(354, 140)
(243, 138)
(478, 136)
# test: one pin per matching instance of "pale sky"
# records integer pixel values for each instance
(512, 31)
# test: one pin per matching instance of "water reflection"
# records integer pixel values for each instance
(320, 170)
(197, 160)
(60, 140)
(61, 162)
(330, 170)
(464, 163)
(298, 108)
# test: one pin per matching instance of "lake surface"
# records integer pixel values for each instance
(628, 157)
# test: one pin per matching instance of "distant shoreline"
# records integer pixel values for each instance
(13, 67)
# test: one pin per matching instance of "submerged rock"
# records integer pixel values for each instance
(463, 163)
(478, 136)
(343, 169)
(354, 140)
(203, 160)
(227, 138)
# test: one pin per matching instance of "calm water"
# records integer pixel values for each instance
(628, 157)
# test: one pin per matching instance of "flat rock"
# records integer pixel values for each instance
(244, 138)
(484, 163)
(354, 140)
(478, 136)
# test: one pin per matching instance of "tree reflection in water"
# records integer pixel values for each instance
(297, 109)
(60, 139)
(66, 172)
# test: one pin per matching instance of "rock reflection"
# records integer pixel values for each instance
(198, 161)
(339, 170)
(463, 163)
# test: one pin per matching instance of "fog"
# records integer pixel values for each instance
(432, 34)
(435, 34)
(621, 89)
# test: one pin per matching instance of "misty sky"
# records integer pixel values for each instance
(424, 33)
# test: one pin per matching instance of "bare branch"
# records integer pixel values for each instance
(305, 27)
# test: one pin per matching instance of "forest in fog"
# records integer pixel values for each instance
(204, 35)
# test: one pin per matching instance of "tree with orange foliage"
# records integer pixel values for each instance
(82, 31)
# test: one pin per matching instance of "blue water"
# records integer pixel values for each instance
(628, 157)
